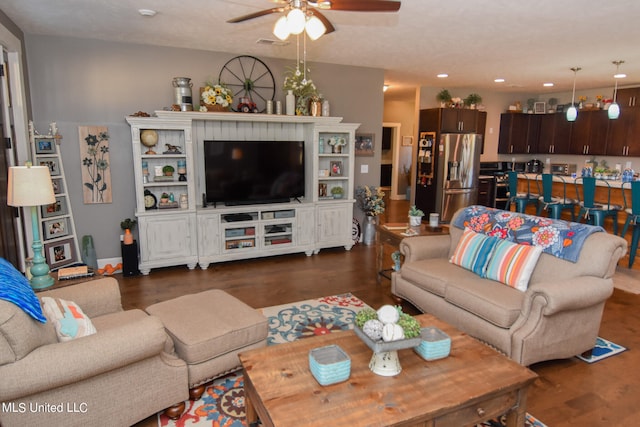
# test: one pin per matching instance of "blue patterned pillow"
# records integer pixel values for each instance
(15, 288)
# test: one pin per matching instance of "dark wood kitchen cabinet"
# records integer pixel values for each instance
(629, 97)
(623, 138)
(589, 133)
(518, 133)
(554, 135)
(461, 120)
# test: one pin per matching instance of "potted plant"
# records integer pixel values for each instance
(127, 225)
(337, 192)
(472, 100)
(336, 144)
(444, 97)
(168, 170)
(415, 216)
(164, 198)
(552, 104)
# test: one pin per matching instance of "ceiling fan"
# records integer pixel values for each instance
(311, 9)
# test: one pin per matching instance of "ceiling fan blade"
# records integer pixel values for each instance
(328, 25)
(365, 5)
(256, 15)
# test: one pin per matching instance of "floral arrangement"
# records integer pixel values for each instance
(582, 98)
(217, 94)
(296, 82)
(370, 200)
(599, 98)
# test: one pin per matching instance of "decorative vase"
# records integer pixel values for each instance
(290, 103)
(128, 237)
(415, 221)
(315, 108)
(336, 149)
(302, 106)
(369, 231)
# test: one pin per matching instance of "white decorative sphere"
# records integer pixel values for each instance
(373, 329)
(388, 314)
(392, 332)
(149, 137)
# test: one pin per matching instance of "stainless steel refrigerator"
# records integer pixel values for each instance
(455, 182)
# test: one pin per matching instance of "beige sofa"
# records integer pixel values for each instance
(557, 317)
(118, 376)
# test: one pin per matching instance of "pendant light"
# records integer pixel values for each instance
(614, 109)
(572, 112)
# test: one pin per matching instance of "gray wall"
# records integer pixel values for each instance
(78, 82)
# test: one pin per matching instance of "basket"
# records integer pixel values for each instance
(329, 365)
(435, 344)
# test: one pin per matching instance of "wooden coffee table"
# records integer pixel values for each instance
(473, 384)
(388, 241)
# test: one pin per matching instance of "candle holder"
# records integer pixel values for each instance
(182, 170)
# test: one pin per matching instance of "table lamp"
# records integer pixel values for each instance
(31, 186)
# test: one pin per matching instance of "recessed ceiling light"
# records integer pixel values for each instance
(147, 12)
(499, 80)
(619, 76)
(443, 75)
(549, 84)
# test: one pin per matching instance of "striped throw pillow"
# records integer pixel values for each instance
(513, 264)
(473, 251)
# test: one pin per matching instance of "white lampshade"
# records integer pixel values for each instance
(572, 114)
(29, 186)
(281, 29)
(315, 28)
(613, 111)
(296, 21)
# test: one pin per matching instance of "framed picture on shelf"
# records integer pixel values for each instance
(52, 164)
(57, 185)
(57, 208)
(539, 107)
(322, 190)
(60, 253)
(336, 168)
(364, 144)
(53, 228)
(45, 146)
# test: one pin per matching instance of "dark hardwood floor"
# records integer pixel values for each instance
(567, 393)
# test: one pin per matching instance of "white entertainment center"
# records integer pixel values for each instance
(188, 231)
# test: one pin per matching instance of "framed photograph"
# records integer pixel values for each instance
(45, 146)
(54, 167)
(322, 190)
(336, 168)
(57, 208)
(53, 228)
(60, 253)
(364, 144)
(407, 141)
(57, 186)
(540, 107)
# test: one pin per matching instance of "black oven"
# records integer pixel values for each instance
(498, 195)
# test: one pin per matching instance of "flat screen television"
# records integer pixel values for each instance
(252, 172)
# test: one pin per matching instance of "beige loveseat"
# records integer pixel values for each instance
(120, 375)
(557, 317)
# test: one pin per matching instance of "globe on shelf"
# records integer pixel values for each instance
(149, 138)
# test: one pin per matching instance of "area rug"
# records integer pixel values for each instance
(222, 404)
(602, 350)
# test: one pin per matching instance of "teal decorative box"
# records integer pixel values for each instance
(435, 344)
(329, 365)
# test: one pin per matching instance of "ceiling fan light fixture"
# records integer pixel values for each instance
(296, 21)
(281, 29)
(315, 28)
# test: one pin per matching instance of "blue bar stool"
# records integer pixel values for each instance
(555, 205)
(521, 200)
(594, 211)
(633, 214)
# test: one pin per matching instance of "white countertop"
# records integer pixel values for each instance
(599, 182)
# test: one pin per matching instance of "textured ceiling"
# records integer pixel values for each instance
(474, 41)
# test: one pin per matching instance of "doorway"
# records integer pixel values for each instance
(395, 163)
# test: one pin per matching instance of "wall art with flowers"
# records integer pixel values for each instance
(96, 169)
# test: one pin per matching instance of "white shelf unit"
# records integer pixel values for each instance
(208, 234)
(57, 227)
(167, 232)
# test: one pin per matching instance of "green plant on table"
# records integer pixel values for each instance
(414, 211)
